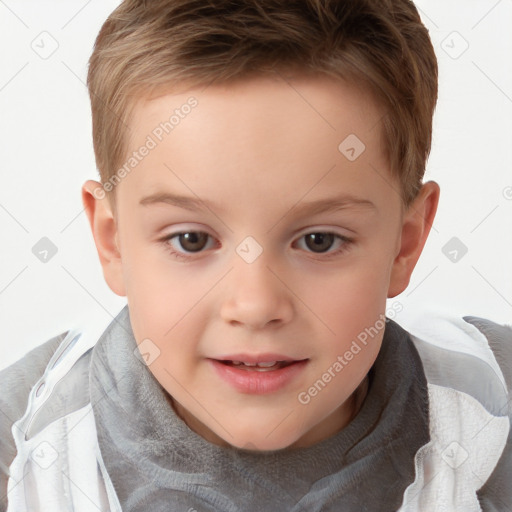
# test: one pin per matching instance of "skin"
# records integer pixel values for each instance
(259, 150)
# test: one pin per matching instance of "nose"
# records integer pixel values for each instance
(256, 296)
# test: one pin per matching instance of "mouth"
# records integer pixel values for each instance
(266, 373)
(262, 366)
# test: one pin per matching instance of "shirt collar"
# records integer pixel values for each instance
(149, 451)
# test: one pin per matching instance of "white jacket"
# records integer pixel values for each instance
(59, 463)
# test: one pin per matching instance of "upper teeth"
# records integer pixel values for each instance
(263, 365)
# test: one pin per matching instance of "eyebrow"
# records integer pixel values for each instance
(337, 203)
(188, 203)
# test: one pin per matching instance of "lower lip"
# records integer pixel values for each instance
(256, 382)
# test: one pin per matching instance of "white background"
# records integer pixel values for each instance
(45, 132)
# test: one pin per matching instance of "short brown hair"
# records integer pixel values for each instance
(381, 45)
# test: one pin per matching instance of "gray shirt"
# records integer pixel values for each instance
(156, 462)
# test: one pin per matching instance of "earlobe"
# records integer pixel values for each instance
(416, 225)
(105, 234)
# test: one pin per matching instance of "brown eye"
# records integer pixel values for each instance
(324, 244)
(188, 245)
(319, 242)
(193, 241)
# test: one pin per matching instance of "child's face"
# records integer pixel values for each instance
(247, 283)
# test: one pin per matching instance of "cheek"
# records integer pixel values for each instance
(151, 277)
(351, 296)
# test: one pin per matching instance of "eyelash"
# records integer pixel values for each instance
(346, 244)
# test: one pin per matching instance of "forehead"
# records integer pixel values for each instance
(324, 102)
(296, 135)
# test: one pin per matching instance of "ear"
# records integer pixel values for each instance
(416, 224)
(104, 231)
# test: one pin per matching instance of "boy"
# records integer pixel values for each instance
(260, 370)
